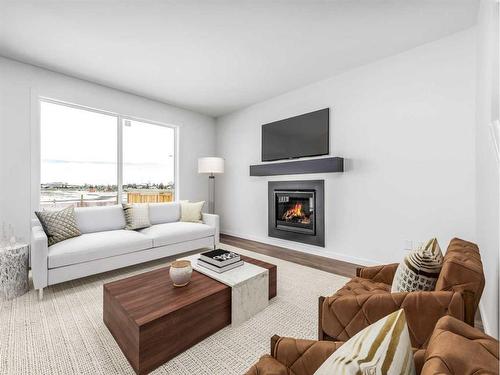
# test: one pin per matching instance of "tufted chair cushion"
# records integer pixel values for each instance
(267, 365)
(303, 357)
(294, 357)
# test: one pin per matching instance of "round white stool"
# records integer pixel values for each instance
(13, 271)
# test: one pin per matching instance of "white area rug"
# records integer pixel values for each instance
(64, 333)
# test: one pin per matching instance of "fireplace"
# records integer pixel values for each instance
(296, 211)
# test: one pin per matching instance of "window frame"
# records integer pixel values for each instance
(120, 123)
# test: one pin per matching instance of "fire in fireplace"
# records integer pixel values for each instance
(295, 211)
(295, 214)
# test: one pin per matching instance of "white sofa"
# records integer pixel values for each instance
(105, 245)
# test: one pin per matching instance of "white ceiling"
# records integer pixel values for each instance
(218, 56)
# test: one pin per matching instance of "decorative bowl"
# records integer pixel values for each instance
(180, 272)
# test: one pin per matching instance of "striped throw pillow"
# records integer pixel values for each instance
(382, 348)
(420, 269)
(136, 216)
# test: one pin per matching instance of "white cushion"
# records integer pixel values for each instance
(98, 245)
(160, 213)
(381, 348)
(99, 219)
(191, 211)
(170, 233)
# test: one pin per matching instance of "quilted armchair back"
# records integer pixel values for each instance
(462, 270)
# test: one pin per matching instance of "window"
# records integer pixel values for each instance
(148, 162)
(92, 158)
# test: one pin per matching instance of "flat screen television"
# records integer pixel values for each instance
(296, 137)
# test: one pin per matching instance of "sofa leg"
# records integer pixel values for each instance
(40, 294)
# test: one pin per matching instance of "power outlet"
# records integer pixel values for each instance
(408, 245)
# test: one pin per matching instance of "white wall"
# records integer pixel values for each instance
(18, 82)
(487, 166)
(405, 125)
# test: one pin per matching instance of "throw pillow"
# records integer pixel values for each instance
(381, 348)
(136, 216)
(420, 269)
(58, 225)
(191, 211)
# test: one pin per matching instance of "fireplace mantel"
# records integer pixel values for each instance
(319, 165)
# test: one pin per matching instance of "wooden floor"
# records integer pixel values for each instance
(315, 261)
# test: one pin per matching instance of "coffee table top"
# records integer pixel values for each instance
(233, 277)
(151, 295)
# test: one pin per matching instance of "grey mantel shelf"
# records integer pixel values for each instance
(321, 165)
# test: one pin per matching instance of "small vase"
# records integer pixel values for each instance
(180, 272)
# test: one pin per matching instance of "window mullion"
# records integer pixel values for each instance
(120, 160)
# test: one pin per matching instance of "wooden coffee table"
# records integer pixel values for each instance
(152, 321)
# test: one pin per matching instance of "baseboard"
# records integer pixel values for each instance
(303, 248)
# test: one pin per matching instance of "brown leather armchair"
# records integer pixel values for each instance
(368, 298)
(455, 348)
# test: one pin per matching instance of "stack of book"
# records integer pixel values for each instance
(220, 260)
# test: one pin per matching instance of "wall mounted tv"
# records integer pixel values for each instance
(295, 137)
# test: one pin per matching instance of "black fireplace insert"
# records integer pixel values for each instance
(296, 211)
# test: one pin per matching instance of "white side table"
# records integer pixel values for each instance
(13, 271)
(249, 288)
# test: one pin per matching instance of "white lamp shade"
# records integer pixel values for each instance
(211, 165)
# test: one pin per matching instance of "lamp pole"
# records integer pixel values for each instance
(211, 193)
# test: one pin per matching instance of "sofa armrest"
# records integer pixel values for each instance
(291, 356)
(303, 356)
(213, 221)
(344, 316)
(39, 257)
(380, 274)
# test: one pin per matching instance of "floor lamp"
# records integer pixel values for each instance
(211, 165)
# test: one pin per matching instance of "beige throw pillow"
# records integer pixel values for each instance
(381, 348)
(420, 269)
(191, 211)
(136, 216)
